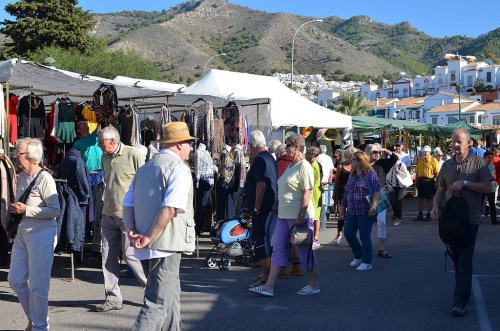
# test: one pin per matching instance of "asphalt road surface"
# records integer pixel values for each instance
(411, 291)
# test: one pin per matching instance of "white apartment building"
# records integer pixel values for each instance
(325, 95)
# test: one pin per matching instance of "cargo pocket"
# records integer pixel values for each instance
(190, 232)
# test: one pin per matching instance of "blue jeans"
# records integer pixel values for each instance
(364, 249)
(463, 268)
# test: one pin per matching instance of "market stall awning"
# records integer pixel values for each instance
(287, 108)
(369, 123)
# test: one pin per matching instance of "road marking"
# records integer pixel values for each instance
(482, 313)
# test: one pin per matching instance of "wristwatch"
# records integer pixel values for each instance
(466, 182)
(302, 215)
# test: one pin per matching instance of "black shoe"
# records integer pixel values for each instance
(419, 218)
(458, 310)
(427, 218)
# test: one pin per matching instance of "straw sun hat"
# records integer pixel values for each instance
(175, 132)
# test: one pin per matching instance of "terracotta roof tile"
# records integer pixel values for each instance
(449, 107)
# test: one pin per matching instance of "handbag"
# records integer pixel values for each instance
(301, 235)
(404, 182)
(386, 196)
(15, 219)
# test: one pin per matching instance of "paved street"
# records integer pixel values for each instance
(411, 291)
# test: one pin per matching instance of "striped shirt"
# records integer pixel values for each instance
(356, 191)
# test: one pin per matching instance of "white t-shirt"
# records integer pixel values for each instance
(326, 165)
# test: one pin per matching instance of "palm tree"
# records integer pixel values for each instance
(352, 105)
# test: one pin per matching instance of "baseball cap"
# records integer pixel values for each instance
(427, 148)
(399, 143)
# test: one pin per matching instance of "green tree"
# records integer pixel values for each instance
(42, 23)
(100, 62)
(352, 105)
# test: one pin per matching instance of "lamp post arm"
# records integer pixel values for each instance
(210, 59)
(293, 47)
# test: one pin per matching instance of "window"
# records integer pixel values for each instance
(496, 120)
(469, 80)
(440, 80)
(451, 119)
(471, 119)
(453, 75)
(488, 77)
(405, 92)
(434, 119)
(417, 113)
(479, 119)
(396, 92)
(390, 94)
(426, 81)
(377, 95)
(417, 85)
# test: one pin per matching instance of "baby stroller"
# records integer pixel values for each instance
(231, 238)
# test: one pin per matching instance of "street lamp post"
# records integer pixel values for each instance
(210, 59)
(293, 47)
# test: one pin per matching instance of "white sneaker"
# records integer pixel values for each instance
(316, 245)
(364, 266)
(356, 262)
(336, 241)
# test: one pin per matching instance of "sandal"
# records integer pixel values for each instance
(308, 290)
(398, 223)
(384, 253)
(261, 291)
(256, 283)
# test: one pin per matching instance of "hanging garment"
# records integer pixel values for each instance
(165, 117)
(73, 169)
(201, 120)
(204, 167)
(66, 121)
(126, 120)
(89, 115)
(149, 130)
(72, 232)
(7, 195)
(31, 117)
(13, 101)
(105, 105)
(232, 115)
(219, 139)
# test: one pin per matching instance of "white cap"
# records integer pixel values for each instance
(427, 148)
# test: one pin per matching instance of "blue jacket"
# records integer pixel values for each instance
(73, 169)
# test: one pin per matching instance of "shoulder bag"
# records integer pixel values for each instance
(386, 196)
(15, 219)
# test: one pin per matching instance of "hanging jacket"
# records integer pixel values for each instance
(72, 232)
(73, 169)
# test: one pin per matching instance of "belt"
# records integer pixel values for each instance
(96, 171)
(425, 179)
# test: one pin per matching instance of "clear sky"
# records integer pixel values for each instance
(435, 18)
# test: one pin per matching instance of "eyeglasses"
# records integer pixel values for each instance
(375, 152)
(441, 155)
(19, 154)
(289, 145)
(101, 141)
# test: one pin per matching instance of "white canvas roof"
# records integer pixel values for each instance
(287, 108)
(149, 84)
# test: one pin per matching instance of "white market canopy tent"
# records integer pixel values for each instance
(286, 108)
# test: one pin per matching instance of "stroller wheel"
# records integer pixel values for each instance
(225, 264)
(210, 262)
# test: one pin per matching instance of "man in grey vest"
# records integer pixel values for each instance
(159, 216)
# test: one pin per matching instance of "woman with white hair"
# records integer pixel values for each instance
(32, 252)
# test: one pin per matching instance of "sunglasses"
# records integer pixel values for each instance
(375, 152)
(289, 145)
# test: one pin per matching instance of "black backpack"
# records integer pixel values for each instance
(454, 227)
